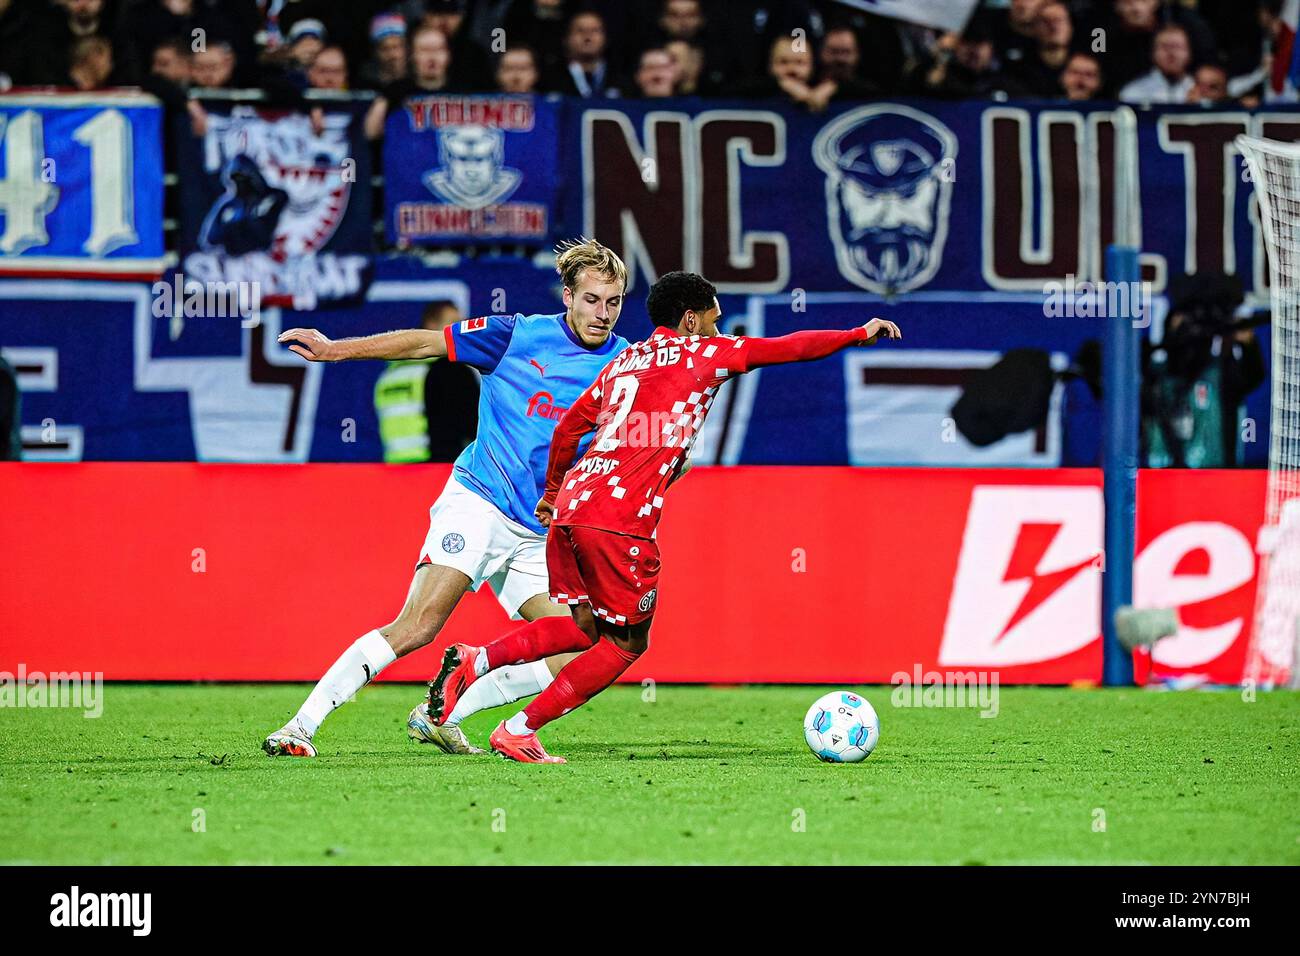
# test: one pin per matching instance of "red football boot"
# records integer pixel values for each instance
(525, 748)
(453, 680)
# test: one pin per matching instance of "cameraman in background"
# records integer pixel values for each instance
(1195, 381)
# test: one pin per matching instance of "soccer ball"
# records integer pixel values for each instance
(841, 728)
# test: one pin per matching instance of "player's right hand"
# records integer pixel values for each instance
(881, 328)
(544, 512)
(311, 344)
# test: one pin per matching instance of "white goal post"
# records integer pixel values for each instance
(1272, 658)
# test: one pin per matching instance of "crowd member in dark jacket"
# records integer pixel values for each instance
(841, 61)
(585, 71)
(1082, 78)
(388, 62)
(431, 72)
(145, 24)
(1129, 30)
(29, 48)
(792, 76)
(1014, 34)
(1038, 72)
(963, 65)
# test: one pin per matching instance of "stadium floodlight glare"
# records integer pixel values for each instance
(1271, 659)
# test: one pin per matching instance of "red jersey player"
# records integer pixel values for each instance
(646, 408)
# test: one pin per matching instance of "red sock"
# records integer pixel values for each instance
(535, 640)
(578, 681)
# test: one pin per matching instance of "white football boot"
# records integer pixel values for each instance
(448, 738)
(289, 741)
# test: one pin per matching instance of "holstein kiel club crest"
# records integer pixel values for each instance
(888, 190)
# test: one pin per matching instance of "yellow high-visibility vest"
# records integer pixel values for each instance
(399, 403)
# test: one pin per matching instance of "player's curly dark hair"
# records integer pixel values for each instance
(675, 293)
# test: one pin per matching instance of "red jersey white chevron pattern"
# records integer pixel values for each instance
(647, 407)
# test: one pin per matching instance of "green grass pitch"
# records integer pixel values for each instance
(173, 774)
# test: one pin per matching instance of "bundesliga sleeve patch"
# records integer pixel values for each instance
(472, 325)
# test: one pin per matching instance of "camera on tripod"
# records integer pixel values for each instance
(1195, 380)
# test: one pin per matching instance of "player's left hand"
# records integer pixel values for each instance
(544, 512)
(878, 328)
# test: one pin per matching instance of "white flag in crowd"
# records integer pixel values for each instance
(943, 14)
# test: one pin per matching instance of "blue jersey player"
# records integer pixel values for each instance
(482, 528)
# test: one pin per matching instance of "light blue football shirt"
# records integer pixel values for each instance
(534, 367)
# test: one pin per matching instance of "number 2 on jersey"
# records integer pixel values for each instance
(621, 397)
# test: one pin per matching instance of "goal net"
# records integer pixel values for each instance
(1271, 659)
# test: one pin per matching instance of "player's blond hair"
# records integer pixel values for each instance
(573, 257)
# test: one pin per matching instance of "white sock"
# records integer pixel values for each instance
(505, 685)
(356, 667)
(518, 724)
(480, 662)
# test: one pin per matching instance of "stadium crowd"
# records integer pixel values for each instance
(810, 52)
(806, 52)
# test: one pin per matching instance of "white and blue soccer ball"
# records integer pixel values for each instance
(841, 728)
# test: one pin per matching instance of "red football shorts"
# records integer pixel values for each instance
(616, 574)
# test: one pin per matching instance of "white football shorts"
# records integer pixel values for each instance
(469, 533)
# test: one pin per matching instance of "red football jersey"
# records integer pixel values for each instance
(647, 407)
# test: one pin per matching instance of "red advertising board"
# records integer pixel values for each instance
(170, 571)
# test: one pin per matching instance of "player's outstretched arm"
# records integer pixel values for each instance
(812, 344)
(315, 346)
